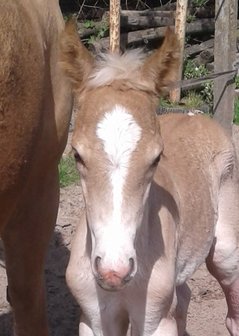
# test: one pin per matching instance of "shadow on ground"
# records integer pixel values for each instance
(63, 312)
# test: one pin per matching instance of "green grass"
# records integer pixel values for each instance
(192, 100)
(236, 112)
(68, 173)
(164, 102)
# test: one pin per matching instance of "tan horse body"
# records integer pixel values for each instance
(161, 197)
(35, 109)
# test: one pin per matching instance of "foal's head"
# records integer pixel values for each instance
(117, 144)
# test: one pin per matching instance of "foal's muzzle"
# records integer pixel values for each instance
(114, 279)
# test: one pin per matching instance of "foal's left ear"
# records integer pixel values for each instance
(161, 68)
(75, 59)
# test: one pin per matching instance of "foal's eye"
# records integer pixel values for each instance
(156, 160)
(77, 157)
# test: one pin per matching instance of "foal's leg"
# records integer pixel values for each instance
(167, 327)
(26, 239)
(175, 323)
(107, 325)
(84, 328)
(223, 259)
(183, 300)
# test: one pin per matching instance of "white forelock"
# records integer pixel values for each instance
(110, 67)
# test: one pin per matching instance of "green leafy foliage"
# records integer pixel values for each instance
(89, 24)
(192, 70)
(190, 18)
(101, 31)
(236, 112)
(199, 3)
(237, 82)
(207, 93)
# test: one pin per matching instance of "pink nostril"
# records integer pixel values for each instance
(114, 277)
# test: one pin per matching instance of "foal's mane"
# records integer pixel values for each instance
(121, 68)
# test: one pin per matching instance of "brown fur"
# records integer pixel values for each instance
(35, 108)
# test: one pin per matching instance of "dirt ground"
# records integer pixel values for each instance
(207, 309)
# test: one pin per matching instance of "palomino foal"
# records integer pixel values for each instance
(35, 109)
(161, 196)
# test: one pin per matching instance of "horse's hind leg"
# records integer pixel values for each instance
(223, 259)
(26, 239)
(183, 299)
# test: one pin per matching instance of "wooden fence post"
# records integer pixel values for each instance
(180, 28)
(114, 25)
(224, 57)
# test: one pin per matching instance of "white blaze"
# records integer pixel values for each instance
(120, 134)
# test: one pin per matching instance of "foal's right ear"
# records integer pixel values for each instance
(75, 59)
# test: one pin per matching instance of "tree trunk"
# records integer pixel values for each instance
(180, 28)
(114, 25)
